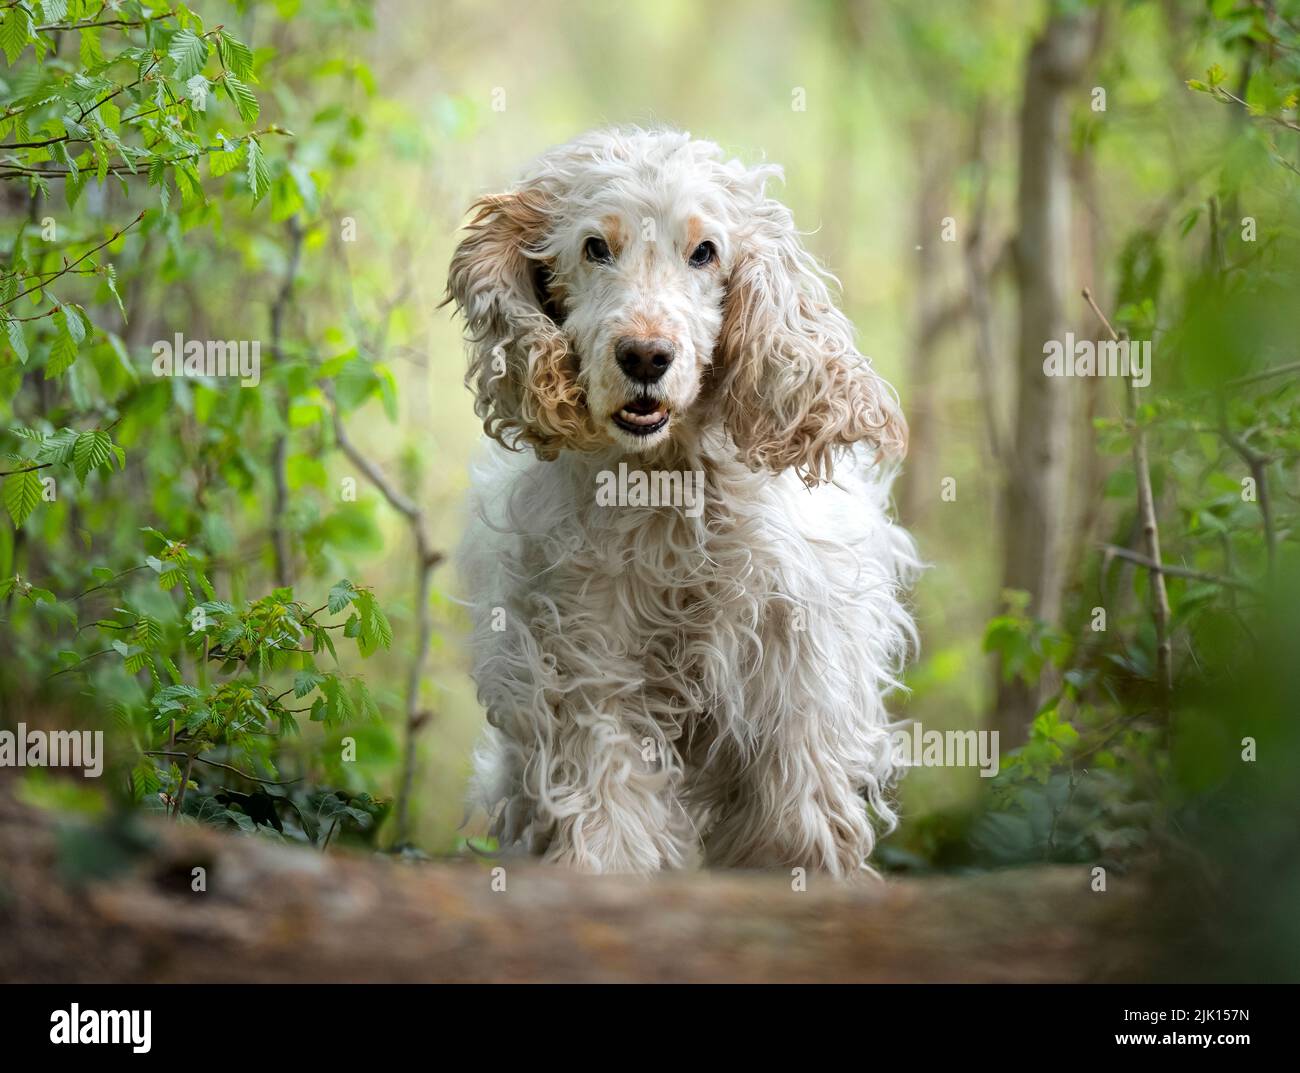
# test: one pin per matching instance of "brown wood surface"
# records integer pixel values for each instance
(279, 913)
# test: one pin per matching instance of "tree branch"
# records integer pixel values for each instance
(280, 446)
(63, 272)
(1174, 571)
(217, 763)
(426, 559)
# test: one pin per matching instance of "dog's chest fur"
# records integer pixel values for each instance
(671, 614)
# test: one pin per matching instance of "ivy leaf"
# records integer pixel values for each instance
(190, 53)
(90, 452)
(22, 491)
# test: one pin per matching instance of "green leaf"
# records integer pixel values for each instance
(196, 89)
(58, 448)
(110, 275)
(235, 56)
(223, 163)
(22, 491)
(190, 53)
(366, 702)
(374, 628)
(91, 54)
(64, 351)
(17, 340)
(90, 452)
(145, 780)
(109, 116)
(381, 627)
(340, 596)
(242, 97)
(15, 33)
(74, 316)
(259, 175)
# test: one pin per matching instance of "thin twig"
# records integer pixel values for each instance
(426, 558)
(226, 767)
(69, 268)
(185, 782)
(1147, 519)
(1171, 570)
(280, 446)
(1258, 465)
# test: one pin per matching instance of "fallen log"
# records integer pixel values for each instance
(273, 912)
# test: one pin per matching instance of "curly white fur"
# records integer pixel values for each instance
(661, 681)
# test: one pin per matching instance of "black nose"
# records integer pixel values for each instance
(644, 359)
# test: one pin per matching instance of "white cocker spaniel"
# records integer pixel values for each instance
(688, 595)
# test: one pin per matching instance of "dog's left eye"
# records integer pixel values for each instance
(597, 249)
(702, 255)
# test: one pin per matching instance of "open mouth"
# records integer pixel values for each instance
(642, 416)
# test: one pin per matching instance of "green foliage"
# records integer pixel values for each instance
(171, 169)
(1207, 268)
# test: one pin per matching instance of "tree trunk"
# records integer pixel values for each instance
(1036, 501)
(919, 489)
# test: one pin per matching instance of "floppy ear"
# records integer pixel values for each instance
(795, 391)
(521, 371)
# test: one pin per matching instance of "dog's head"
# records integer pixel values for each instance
(636, 284)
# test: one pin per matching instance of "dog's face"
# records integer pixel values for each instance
(636, 285)
(641, 303)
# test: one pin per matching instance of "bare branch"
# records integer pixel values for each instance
(1170, 570)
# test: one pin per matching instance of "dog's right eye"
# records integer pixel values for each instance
(597, 250)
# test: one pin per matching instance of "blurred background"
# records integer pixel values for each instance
(965, 169)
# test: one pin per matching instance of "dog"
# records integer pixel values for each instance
(668, 684)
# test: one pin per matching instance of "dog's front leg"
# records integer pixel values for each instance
(792, 807)
(610, 796)
(589, 790)
(798, 796)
